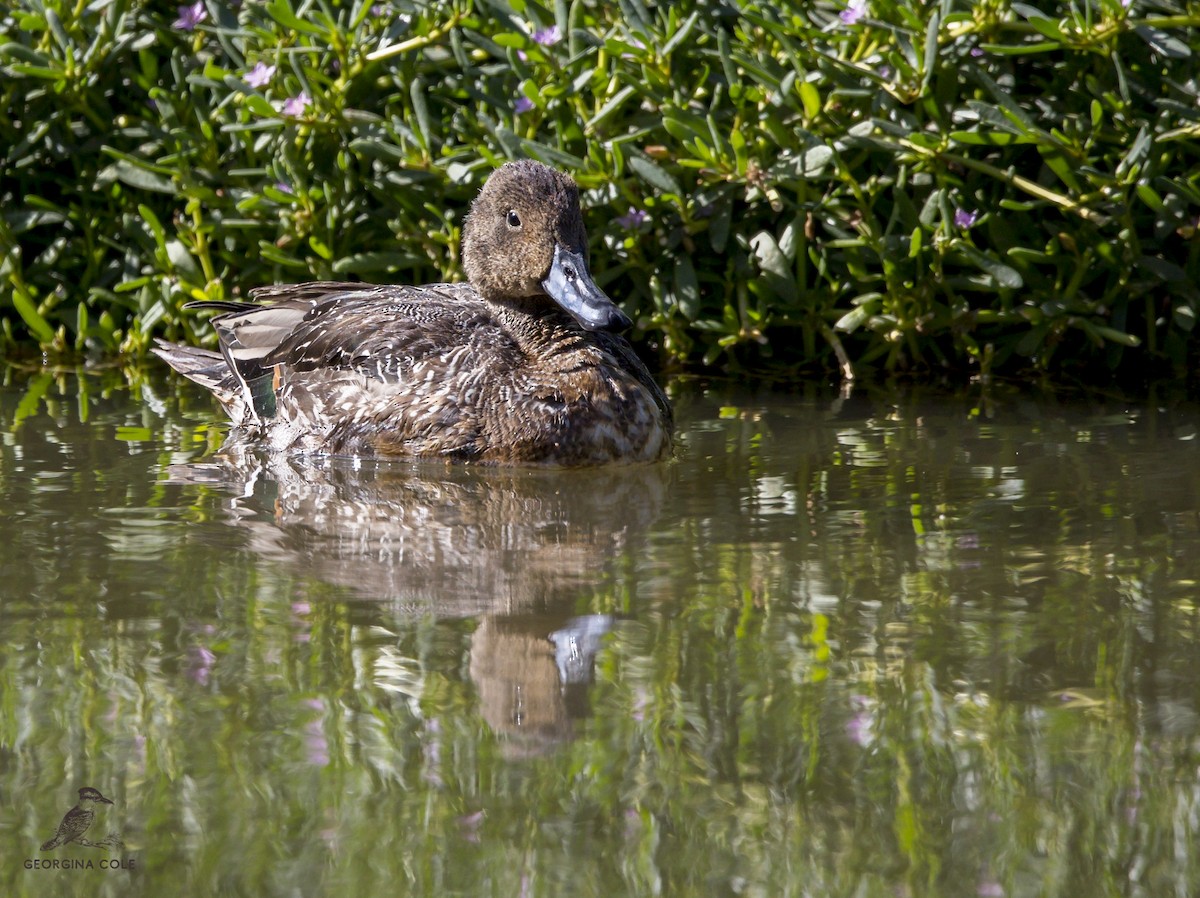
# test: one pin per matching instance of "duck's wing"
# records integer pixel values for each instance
(384, 332)
(322, 328)
(247, 332)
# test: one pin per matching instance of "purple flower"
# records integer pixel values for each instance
(977, 52)
(284, 187)
(632, 218)
(854, 11)
(860, 727)
(200, 663)
(260, 75)
(523, 105)
(469, 824)
(190, 16)
(315, 744)
(964, 219)
(548, 36)
(296, 105)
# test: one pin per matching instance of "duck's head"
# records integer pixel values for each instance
(524, 237)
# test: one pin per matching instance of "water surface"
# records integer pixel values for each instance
(891, 643)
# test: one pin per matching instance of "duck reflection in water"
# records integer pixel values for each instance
(515, 548)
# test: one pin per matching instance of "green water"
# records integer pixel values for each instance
(892, 644)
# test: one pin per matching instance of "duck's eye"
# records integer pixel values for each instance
(514, 220)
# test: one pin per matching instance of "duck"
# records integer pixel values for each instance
(524, 363)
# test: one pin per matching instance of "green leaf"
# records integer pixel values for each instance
(182, 262)
(718, 229)
(1061, 166)
(929, 62)
(654, 175)
(1162, 42)
(681, 34)
(417, 91)
(1164, 270)
(32, 399)
(365, 263)
(33, 71)
(29, 313)
(27, 54)
(914, 242)
(1047, 28)
(775, 267)
(320, 247)
(134, 176)
(810, 98)
(687, 289)
(272, 254)
(1136, 156)
(1116, 336)
(1005, 275)
(991, 138)
(281, 12)
(1184, 317)
(153, 224)
(56, 29)
(127, 433)
(605, 112)
(1009, 109)
(852, 320)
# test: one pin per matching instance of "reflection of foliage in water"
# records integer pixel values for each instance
(902, 644)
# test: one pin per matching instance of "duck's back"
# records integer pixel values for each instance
(352, 369)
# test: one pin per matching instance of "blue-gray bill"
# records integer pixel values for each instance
(570, 284)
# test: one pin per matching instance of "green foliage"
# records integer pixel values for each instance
(891, 184)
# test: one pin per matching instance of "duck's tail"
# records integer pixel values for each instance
(205, 367)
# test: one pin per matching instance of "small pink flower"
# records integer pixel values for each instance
(200, 663)
(964, 219)
(190, 15)
(633, 218)
(854, 11)
(295, 106)
(315, 744)
(260, 75)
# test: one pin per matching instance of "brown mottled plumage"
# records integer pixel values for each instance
(520, 365)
